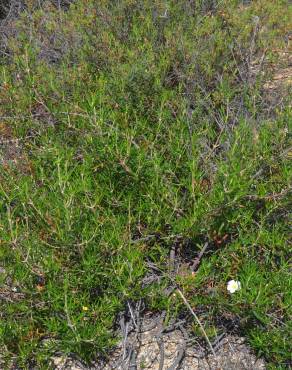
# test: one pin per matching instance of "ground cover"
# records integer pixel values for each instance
(133, 135)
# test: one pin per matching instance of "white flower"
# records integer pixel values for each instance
(233, 286)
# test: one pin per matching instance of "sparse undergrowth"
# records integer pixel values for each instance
(137, 118)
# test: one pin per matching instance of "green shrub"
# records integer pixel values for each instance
(136, 118)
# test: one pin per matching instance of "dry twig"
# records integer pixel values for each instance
(197, 320)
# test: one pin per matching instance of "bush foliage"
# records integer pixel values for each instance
(121, 120)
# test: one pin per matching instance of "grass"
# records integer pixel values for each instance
(129, 124)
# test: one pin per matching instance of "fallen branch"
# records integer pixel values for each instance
(197, 320)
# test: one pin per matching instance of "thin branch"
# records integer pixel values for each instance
(273, 196)
(127, 169)
(198, 259)
(188, 306)
(197, 320)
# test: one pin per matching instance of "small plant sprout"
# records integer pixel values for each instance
(233, 286)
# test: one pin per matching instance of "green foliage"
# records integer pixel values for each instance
(133, 116)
